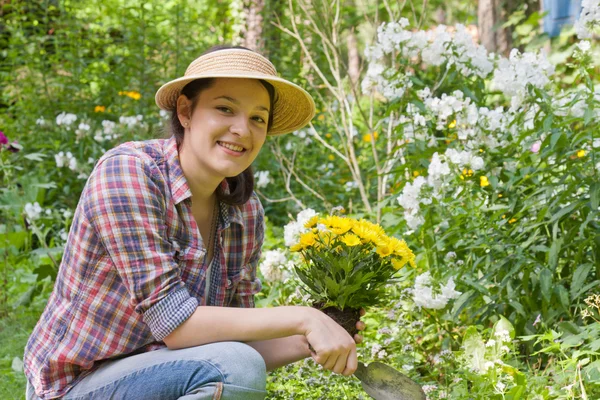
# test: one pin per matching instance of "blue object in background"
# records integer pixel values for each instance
(559, 13)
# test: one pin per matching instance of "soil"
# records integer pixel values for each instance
(347, 318)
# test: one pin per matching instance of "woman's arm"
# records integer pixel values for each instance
(334, 348)
(282, 351)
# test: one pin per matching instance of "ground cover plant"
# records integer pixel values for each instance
(486, 165)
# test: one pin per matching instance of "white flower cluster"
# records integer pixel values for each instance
(108, 131)
(589, 20)
(410, 200)
(68, 160)
(262, 178)
(474, 126)
(513, 75)
(424, 296)
(130, 122)
(275, 266)
(33, 211)
(293, 230)
(436, 47)
(413, 195)
(65, 119)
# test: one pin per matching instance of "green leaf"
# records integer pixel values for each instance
(595, 196)
(474, 349)
(579, 278)
(504, 325)
(515, 393)
(563, 296)
(553, 254)
(546, 284)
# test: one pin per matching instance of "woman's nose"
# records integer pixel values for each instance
(240, 126)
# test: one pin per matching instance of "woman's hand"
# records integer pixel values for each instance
(330, 345)
(360, 326)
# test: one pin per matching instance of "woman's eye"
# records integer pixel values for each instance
(259, 119)
(224, 109)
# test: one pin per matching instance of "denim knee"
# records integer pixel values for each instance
(247, 367)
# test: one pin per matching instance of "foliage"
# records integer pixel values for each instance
(487, 166)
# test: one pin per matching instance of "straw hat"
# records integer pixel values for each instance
(293, 107)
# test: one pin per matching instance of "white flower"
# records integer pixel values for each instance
(262, 178)
(65, 119)
(584, 46)
(40, 121)
(33, 211)
(424, 296)
(514, 74)
(293, 230)
(130, 121)
(589, 20)
(273, 267)
(60, 159)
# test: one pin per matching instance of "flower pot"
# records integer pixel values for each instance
(346, 318)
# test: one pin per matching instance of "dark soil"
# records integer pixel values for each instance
(347, 318)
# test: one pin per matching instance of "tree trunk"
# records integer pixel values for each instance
(252, 32)
(490, 16)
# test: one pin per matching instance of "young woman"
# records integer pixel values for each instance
(154, 296)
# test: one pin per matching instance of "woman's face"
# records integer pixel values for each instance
(228, 126)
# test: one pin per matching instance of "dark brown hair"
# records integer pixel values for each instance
(242, 185)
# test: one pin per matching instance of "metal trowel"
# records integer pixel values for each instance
(383, 382)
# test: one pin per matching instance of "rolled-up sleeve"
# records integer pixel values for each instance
(125, 202)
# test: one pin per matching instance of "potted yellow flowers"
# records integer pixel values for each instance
(347, 263)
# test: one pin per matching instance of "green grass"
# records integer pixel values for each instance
(14, 332)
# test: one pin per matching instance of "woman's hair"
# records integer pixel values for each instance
(242, 185)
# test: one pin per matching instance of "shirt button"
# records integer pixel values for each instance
(228, 283)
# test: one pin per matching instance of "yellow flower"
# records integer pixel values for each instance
(99, 109)
(321, 117)
(350, 240)
(311, 222)
(398, 263)
(581, 153)
(499, 194)
(307, 239)
(331, 157)
(452, 124)
(483, 181)
(504, 216)
(328, 135)
(365, 232)
(481, 150)
(416, 173)
(367, 137)
(337, 225)
(512, 220)
(133, 95)
(384, 250)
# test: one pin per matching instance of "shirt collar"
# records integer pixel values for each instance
(180, 189)
(179, 186)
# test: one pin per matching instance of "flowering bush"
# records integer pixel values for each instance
(347, 262)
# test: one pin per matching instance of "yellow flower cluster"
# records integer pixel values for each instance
(133, 95)
(352, 232)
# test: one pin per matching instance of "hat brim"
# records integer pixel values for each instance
(293, 107)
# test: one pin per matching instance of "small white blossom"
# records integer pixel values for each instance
(262, 178)
(65, 119)
(33, 211)
(424, 296)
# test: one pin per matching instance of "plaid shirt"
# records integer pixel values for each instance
(133, 268)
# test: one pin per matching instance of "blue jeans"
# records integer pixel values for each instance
(224, 370)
